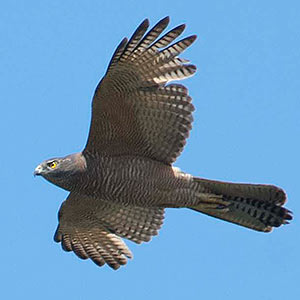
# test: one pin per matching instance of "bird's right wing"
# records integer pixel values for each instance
(135, 111)
(93, 228)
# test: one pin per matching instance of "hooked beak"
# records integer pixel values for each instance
(38, 170)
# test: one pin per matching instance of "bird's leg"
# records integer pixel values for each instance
(212, 201)
(186, 198)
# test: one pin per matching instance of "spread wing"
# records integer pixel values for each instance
(134, 110)
(93, 228)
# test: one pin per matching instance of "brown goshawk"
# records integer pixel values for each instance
(123, 180)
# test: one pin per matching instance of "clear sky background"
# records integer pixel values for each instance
(246, 129)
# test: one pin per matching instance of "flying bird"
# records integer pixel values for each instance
(123, 180)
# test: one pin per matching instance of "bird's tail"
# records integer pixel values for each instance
(255, 206)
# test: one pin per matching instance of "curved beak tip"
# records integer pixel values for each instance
(37, 171)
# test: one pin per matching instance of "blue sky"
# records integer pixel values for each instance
(246, 129)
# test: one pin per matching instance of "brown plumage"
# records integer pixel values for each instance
(123, 180)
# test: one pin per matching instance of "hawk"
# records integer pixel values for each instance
(123, 180)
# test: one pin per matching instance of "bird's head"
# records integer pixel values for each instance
(61, 170)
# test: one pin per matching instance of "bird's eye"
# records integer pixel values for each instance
(52, 164)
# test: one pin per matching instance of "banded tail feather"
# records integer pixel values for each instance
(255, 206)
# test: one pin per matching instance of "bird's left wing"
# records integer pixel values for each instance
(93, 228)
(135, 111)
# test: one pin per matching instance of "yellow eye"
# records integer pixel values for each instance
(52, 164)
